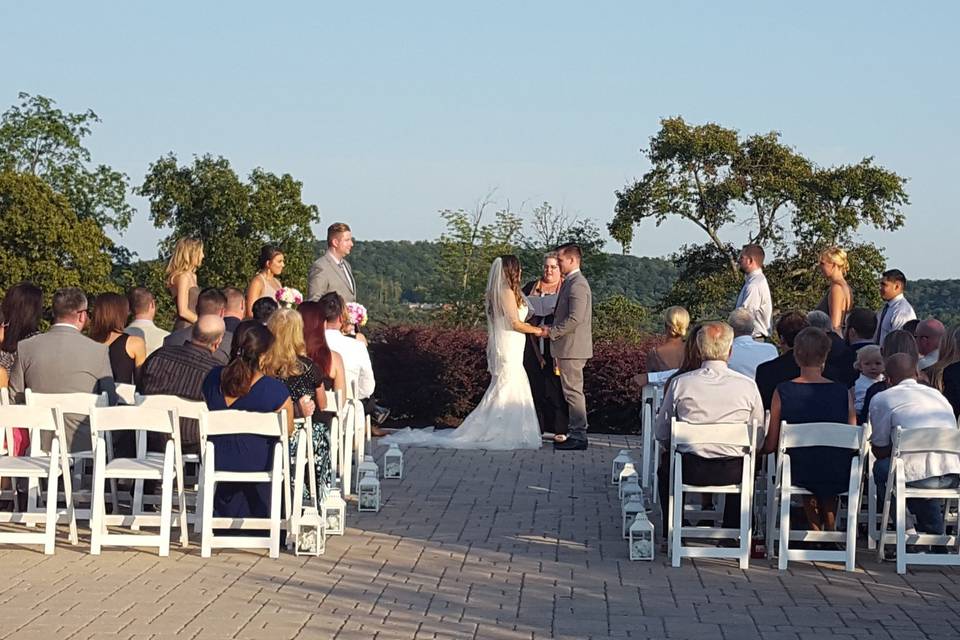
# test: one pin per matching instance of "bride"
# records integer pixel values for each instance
(505, 417)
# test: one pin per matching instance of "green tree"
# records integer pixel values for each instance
(44, 241)
(721, 183)
(207, 200)
(550, 228)
(39, 139)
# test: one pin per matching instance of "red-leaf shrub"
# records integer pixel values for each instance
(433, 375)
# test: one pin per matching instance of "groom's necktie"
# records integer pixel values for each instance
(346, 274)
(883, 316)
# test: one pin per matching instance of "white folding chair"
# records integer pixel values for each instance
(166, 470)
(917, 442)
(234, 422)
(648, 444)
(741, 436)
(7, 448)
(304, 465)
(55, 468)
(76, 404)
(335, 403)
(815, 434)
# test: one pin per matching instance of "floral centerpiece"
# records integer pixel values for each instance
(288, 297)
(356, 314)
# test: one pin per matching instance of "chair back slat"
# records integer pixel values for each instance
(737, 435)
(231, 421)
(133, 418)
(24, 417)
(77, 403)
(820, 434)
(926, 440)
(185, 408)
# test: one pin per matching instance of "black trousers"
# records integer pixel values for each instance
(704, 472)
(546, 390)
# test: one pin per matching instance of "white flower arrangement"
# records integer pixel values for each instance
(288, 297)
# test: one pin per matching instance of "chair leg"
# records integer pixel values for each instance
(676, 508)
(784, 550)
(166, 501)
(97, 506)
(853, 506)
(884, 521)
(208, 487)
(746, 523)
(50, 533)
(901, 526)
(182, 508)
(275, 493)
(198, 507)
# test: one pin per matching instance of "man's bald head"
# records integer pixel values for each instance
(208, 332)
(900, 367)
(928, 335)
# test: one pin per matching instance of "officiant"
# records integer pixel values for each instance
(544, 382)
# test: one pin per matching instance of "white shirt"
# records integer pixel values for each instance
(748, 354)
(860, 390)
(712, 394)
(151, 333)
(755, 298)
(912, 405)
(899, 312)
(929, 360)
(356, 361)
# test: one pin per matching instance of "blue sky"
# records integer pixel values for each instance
(388, 112)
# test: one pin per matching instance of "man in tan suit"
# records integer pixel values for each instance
(571, 342)
(331, 271)
(63, 360)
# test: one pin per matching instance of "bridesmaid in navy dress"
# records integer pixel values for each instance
(242, 385)
(824, 471)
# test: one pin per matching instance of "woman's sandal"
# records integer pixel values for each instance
(560, 437)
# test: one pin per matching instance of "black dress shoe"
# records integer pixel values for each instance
(570, 444)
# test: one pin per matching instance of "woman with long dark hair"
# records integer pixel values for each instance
(21, 309)
(127, 352)
(266, 282)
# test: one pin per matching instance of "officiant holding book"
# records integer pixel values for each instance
(544, 382)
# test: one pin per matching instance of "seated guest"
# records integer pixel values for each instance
(810, 397)
(870, 365)
(242, 385)
(711, 394)
(839, 365)
(236, 309)
(898, 341)
(263, 309)
(861, 326)
(669, 355)
(928, 335)
(951, 386)
(179, 370)
(911, 405)
(911, 327)
(691, 361)
(896, 310)
(63, 360)
(210, 302)
(784, 367)
(287, 361)
(144, 308)
(21, 309)
(747, 353)
(948, 352)
(127, 352)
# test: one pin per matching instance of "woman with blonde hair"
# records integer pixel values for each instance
(669, 355)
(838, 300)
(287, 360)
(181, 280)
(949, 353)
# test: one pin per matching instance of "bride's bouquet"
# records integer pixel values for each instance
(356, 314)
(288, 297)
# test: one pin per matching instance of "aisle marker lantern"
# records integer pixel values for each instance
(618, 463)
(641, 538)
(368, 493)
(393, 463)
(312, 537)
(627, 472)
(630, 509)
(335, 512)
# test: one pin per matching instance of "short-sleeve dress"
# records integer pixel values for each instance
(823, 471)
(244, 452)
(305, 384)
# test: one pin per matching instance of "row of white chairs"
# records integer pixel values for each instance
(780, 491)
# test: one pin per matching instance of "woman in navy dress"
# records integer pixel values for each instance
(242, 385)
(823, 471)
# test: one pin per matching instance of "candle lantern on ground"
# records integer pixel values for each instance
(630, 509)
(312, 533)
(641, 538)
(335, 512)
(393, 463)
(630, 487)
(368, 493)
(368, 466)
(618, 463)
(628, 471)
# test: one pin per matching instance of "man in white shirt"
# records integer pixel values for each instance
(711, 394)
(911, 405)
(747, 353)
(144, 308)
(928, 336)
(755, 294)
(896, 311)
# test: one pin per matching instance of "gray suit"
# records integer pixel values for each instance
(326, 275)
(63, 360)
(571, 343)
(182, 336)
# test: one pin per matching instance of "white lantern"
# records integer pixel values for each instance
(629, 511)
(641, 538)
(629, 488)
(335, 512)
(312, 534)
(368, 493)
(367, 467)
(618, 463)
(393, 463)
(628, 471)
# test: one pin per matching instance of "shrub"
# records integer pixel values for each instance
(435, 376)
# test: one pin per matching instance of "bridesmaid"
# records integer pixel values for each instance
(266, 282)
(838, 300)
(182, 280)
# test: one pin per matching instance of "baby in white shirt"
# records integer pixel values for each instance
(870, 365)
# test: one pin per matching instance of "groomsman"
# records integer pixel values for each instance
(755, 294)
(896, 311)
(331, 271)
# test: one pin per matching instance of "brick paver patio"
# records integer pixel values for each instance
(469, 544)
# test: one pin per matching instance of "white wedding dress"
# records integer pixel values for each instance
(505, 418)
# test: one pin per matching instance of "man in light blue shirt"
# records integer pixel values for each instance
(755, 294)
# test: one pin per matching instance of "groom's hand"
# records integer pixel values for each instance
(544, 331)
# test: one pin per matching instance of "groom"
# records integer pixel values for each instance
(571, 342)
